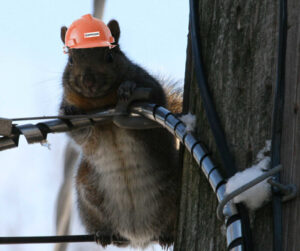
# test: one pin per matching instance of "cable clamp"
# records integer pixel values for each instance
(289, 191)
(5, 126)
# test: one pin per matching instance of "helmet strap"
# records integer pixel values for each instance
(111, 46)
(65, 49)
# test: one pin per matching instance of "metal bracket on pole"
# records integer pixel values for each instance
(288, 191)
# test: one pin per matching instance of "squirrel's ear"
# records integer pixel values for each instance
(63, 32)
(113, 25)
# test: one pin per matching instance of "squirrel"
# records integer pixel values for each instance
(128, 180)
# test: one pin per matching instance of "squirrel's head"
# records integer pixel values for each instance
(93, 72)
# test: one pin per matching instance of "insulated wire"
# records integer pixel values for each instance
(209, 107)
(277, 124)
(213, 119)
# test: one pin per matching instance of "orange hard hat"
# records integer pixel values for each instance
(88, 32)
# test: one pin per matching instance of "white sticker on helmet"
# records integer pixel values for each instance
(92, 34)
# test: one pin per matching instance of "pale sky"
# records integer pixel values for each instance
(153, 34)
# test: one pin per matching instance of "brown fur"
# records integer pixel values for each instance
(174, 98)
(88, 104)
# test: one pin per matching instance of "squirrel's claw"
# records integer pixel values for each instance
(126, 90)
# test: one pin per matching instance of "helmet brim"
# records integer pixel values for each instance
(92, 44)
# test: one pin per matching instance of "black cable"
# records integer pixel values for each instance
(213, 119)
(47, 239)
(209, 107)
(277, 124)
(98, 238)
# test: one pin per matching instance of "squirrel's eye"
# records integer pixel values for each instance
(70, 60)
(109, 57)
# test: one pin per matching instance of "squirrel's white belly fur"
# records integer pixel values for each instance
(129, 183)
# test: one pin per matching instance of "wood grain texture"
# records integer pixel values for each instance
(239, 47)
(290, 148)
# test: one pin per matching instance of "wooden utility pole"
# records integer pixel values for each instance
(290, 149)
(239, 50)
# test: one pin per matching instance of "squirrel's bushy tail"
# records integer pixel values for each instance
(174, 94)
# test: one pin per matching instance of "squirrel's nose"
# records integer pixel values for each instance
(88, 79)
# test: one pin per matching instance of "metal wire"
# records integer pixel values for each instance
(38, 133)
(201, 155)
(106, 113)
(163, 117)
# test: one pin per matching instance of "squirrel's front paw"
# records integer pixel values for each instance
(71, 110)
(125, 90)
